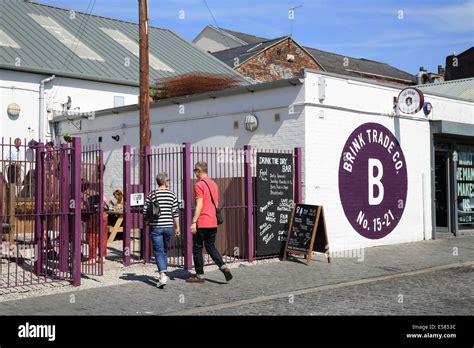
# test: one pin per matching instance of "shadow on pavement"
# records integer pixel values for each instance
(140, 278)
(114, 254)
(216, 282)
(180, 274)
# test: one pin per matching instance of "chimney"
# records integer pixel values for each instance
(440, 70)
(422, 76)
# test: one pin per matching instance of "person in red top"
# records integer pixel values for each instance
(204, 224)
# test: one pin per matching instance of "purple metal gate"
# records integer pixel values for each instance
(170, 161)
(226, 167)
(234, 172)
(38, 213)
(93, 227)
(135, 234)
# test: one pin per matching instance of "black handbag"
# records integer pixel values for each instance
(220, 219)
(152, 211)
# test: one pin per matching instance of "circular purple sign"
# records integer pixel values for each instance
(373, 180)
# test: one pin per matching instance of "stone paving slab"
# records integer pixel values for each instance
(446, 292)
(139, 296)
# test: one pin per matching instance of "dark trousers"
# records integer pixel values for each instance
(206, 236)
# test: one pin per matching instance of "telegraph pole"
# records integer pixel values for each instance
(144, 85)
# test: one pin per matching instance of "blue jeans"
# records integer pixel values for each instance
(160, 237)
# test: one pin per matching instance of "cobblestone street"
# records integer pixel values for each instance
(447, 292)
(423, 278)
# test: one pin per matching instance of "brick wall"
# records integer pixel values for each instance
(273, 64)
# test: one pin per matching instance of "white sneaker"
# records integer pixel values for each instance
(162, 282)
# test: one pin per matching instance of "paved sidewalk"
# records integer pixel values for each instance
(429, 277)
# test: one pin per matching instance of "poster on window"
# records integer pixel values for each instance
(465, 188)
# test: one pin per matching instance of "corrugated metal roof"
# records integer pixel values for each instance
(463, 88)
(42, 52)
(250, 39)
(351, 66)
(243, 52)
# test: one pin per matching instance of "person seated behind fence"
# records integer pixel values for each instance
(29, 184)
(90, 216)
(14, 159)
(162, 227)
(115, 206)
(109, 208)
(118, 204)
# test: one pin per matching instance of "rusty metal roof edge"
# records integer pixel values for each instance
(296, 81)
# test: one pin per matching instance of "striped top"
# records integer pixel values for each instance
(168, 207)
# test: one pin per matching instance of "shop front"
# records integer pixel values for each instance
(453, 177)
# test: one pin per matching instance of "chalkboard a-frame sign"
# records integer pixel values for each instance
(307, 232)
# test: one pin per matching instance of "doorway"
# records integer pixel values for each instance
(442, 196)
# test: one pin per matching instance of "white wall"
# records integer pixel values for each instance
(327, 130)
(326, 143)
(320, 128)
(23, 88)
(208, 122)
(451, 110)
(212, 41)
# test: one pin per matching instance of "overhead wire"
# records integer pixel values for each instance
(78, 35)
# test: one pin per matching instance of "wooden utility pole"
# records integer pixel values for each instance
(144, 86)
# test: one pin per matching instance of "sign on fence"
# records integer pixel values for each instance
(274, 201)
(137, 199)
(307, 232)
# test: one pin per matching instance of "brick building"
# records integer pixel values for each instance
(282, 58)
(247, 53)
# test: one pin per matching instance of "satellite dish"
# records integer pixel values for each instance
(69, 102)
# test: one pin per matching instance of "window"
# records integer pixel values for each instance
(7, 41)
(65, 37)
(132, 46)
(465, 187)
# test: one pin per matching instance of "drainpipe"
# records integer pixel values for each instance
(41, 137)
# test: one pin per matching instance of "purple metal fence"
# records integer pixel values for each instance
(35, 213)
(135, 236)
(234, 172)
(93, 227)
(226, 166)
(170, 161)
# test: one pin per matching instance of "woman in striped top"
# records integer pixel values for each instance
(162, 227)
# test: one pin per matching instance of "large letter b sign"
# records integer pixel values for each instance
(373, 180)
(375, 164)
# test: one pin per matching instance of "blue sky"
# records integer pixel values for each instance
(404, 33)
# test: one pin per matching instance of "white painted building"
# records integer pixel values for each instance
(337, 120)
(22, 88)
(95, 61)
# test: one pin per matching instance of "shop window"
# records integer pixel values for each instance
(465, 187)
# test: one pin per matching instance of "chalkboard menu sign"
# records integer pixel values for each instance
(307, 232)
(274, 201)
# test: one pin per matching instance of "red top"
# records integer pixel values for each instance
(207, 219)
